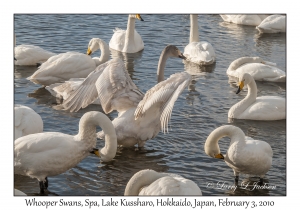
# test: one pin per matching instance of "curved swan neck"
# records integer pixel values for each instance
(141, 179)
(194, 33)
(240, 61)
(105, 53)
(161, 65)
(129, 36)
(234, 133)
(87, 132)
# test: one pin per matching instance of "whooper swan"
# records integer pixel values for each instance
(201, 53)
(27, 121)
(244, 155)
(51, 153)
(150, 182)
(127, 41)
(252, 20)
(259, 69)
(257, 108)
(140, 116)
(62, 67)
(273, 24)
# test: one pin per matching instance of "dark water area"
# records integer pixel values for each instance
(201, 108)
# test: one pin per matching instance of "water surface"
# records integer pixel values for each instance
(201, 108)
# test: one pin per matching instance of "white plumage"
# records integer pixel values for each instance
(244, 155)
(62, 67)
(27, 121)
(150, 182)
(252, 20)
(18, 192)
(128, 41)
(140, 117)
(257, 108)
(52, 153)
(273, 24)
(259, 69)
(201, 53)
(28, 55)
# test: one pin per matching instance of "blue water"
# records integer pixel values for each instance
(201, 108)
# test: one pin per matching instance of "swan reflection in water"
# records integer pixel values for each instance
(24, 71)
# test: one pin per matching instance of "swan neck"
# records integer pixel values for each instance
(234, 133)
(241, 61)
(161, 66)
(194, 33)
(129, 36)
(87, 132)
(141, 179)
(241, 106)
(105, 53)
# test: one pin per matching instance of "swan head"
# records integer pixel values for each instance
(213, 150)
(173, 51)
(93, 45)
(95, 151)
(137, 16)
(244, 79)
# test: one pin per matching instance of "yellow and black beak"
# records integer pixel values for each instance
(241, 85)
(138, 16)
(182, 56)
(95, 151)
(88, 51)
(219, 156)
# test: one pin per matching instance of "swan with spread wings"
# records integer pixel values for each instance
(141, 116)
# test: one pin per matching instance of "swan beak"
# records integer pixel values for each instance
(95, 151)
(182, 56)
(219, 156)
(88, 51)
(15, 59)
(138, 16)
(241, 85)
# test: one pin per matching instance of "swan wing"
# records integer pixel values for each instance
(161, 98)
(62, 67)
(63, 90)
(31, 55)
(116, 89)
(86, 92)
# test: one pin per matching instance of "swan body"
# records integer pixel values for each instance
(252, 20)
(68, 65)
(140, 116)
(150, 182)
(28, 55)
(27, 121)
(52, 153)
(273, 24)
(201, 53)
(245, 156)
(18, 192)
(259, 69)
(257, 108)
(128, 41)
